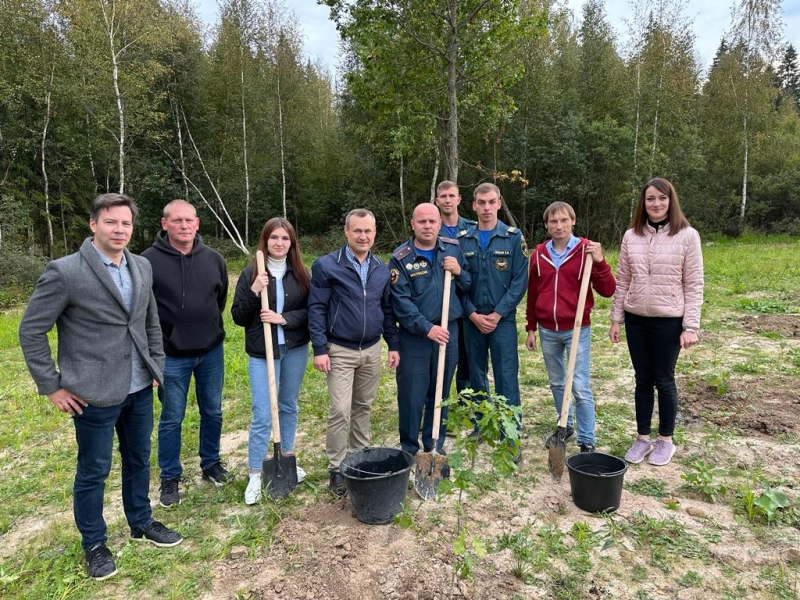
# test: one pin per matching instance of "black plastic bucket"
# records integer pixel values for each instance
(377, 482)
(596, 481)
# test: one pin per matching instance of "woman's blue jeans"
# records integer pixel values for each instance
(289, 371)
(555, 350)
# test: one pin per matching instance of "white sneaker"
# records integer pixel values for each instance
(300, 475)
(253, 492)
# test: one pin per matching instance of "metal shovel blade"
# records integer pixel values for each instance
(557, 452)
(279, 474)
(430, 470)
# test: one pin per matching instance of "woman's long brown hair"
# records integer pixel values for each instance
(675, 217)
(293, 257)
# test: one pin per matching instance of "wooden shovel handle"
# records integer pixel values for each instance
(273, 388)
(437, 401)
(576, 333)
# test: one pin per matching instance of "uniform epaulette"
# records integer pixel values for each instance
(448, 240)
(402, 252)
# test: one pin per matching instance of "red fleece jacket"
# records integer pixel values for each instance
(553, 293)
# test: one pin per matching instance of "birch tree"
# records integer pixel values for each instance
(756, 27)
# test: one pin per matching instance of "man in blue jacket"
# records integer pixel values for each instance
(417, 271)
(349, 308)
(190, 283)
(498, 262)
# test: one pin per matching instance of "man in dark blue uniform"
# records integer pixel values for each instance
(417, 288)
(497, 260)
(448, 199)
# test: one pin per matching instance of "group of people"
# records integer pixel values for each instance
(128, 324)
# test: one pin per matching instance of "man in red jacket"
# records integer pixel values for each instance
(554, 284)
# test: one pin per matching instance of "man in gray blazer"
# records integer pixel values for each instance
(109, 358)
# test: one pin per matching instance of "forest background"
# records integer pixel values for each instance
(143, 97)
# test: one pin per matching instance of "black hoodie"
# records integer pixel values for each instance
(191, 291)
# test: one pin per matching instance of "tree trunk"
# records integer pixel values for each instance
(452, 94)
(244, 152)
(402, 195)
(280, 139)
(111, 32)
(46, 179)
(435, 171)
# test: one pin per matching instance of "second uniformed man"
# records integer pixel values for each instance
(497, 260)
(417, 271)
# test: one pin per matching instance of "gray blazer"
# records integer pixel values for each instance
(77, 295)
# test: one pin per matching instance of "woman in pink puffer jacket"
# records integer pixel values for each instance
(659, 295)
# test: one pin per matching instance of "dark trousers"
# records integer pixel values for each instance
(501, 344)
(462, 374)
(94, 432)
(416, 387)
(654, 346)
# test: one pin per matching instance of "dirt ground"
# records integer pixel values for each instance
(322, 552)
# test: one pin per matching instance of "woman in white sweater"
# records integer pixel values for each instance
(659, 296)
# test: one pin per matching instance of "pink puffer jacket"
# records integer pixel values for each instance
(659, 275)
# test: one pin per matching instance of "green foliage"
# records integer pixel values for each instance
(700, 479)
(648, 486)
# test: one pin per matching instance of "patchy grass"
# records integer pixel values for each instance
(666, 538)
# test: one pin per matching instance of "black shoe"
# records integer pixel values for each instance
(217, 474)
(100, 562)
(157, 534)
(518, 455)
(170, 496)
(336, 485)
(570, 434)
(440, 451)
(588, 447)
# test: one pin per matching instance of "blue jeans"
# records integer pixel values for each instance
(209, 374)
(289, 371)
(555, 349)
(94, 432)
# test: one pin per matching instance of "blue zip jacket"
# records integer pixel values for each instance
(499, 273)
(342, 312)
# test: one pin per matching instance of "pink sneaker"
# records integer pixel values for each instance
(662, 453)
(637, 453)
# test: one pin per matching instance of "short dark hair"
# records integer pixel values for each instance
(106, 201)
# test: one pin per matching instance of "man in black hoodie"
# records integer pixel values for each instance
(190, 284)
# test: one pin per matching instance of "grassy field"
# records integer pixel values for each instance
(748, 362)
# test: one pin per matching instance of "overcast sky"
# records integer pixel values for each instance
(711, 19)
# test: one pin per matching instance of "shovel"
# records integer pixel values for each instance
(557, 443)
(279, 473)
(431, 466)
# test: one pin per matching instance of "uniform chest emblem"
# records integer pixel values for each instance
(394, 275)
(423, 264)
(409, 266)
(501, 264)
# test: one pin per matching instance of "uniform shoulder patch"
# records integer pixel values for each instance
(402, 252)
(448, 240)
